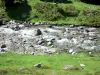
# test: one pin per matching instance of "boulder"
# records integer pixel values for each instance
(1, 22)
(3, 46)
(38, 32)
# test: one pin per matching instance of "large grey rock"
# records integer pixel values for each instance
(91, 29)
(3, 46)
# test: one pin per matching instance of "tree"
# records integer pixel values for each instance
(2, 3)
(91, 1)
(8, 3)
(60, 1)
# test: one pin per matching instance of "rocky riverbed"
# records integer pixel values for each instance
(37, 39)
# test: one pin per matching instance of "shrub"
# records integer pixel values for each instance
(60, 1)
(87, 11)
(47, 11)
(91, 20)
(91, 17)
(71, 11)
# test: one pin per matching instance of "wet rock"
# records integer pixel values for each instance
(91, 29)
(38, 32)
(71, 26)
(1, 22)
(80, 28)
(21, 26)
(3, 46)
(93, 34)
(41, 42)
(72, 51)
(49, 43)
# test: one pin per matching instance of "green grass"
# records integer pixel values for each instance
(30, 11)
(51, 65)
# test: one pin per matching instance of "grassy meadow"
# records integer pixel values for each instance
(11, 63)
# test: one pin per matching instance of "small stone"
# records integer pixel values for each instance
(37, 65)
(71, 26)
(21, 26)
(23, 68)
(71, 50)
(49, 43)
(68, 67)
(37, 23)
(82, 65)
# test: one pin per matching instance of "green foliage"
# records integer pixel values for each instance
(12, 12)
(51, 12)
(47, 11)
(91, 16)
(88, 11)
(2, 3)
(71, 11)
(55, 0)
(91, 20)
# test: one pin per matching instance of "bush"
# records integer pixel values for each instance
(62, 1)
(47, 11)
(91, 17)
(71, 11)
(87, 11)
(92, 20)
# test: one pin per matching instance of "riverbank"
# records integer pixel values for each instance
(83, 17)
